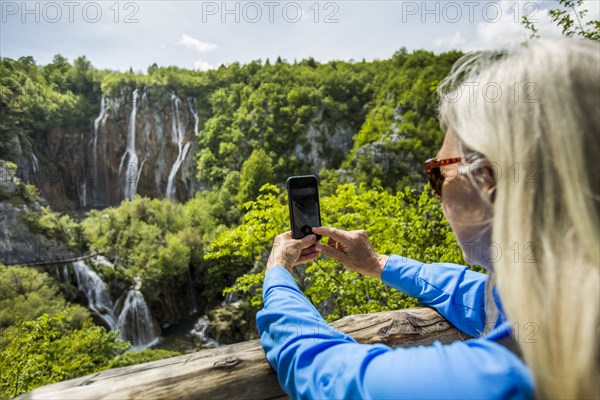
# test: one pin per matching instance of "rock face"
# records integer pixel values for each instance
(18, 244)
(142, 141)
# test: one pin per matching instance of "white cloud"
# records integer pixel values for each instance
(202, 65)
(200, 47)
(449, 43)
(504, 30)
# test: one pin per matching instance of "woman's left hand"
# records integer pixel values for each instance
(289, 252)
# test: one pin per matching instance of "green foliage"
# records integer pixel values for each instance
(46, 350)
(152, 239)
(143, 356)
(405, 223)
(26, 294)
(256, 171)
(568, 16)
(401, 129)
(53, 225)
(236, 251)
(35, 98)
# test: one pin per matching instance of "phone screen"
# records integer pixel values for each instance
(304, 205)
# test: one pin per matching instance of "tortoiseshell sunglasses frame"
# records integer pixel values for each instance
(436, 179)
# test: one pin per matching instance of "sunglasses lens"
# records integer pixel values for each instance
(438, 181)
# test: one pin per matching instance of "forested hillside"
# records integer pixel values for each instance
(91, 138)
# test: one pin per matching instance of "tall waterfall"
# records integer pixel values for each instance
(195, 114)
(135, 322)
(130, 159)
(138, 142)
(82, 187)
(96, 292)
(98, 122)
(177, 133)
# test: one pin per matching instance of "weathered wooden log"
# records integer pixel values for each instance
(241, 370)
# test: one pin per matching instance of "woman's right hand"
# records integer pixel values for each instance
(353, 249)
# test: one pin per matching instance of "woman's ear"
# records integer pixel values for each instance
(489, 181)
(492, 194)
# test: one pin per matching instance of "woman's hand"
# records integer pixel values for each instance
(353, 249)
(289, 252)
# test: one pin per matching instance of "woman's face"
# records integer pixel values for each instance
(469, 215)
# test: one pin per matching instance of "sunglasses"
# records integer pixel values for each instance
(434, 173)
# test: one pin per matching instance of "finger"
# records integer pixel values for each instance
(331, 242)
(307, 241)
(307, 258)
(337, 234)
(331, 252)
(310, 250)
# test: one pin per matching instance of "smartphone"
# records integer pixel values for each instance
(303, 199)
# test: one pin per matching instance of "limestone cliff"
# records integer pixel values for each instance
(142, 141)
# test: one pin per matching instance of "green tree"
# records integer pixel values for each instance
(47, 350)
(256, 171)
(26, 294)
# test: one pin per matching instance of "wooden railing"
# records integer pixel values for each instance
(241, 370)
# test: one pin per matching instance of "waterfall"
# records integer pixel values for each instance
(98, 122)
(130, 159)
(190, 292)
(195, 114)
(82, 192)
(135, 321)
(96, 292)
(231, 298)
(34, 163)
(66, 276)
(36, 167)
(199, 333)
(177, 134)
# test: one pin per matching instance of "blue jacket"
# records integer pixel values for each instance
(315, 361)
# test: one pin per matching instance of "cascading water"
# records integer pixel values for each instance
(195, 114)
(130, 159)
(135, 321)
(35, 166)
(199, 333)
(82, 185)
(230, 298)
(96, 292)
(190, 292)
(177, 134)
(98, 122)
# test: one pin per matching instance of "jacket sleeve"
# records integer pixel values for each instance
(315, 361)
(454, 290)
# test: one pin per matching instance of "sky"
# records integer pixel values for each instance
(202, 35)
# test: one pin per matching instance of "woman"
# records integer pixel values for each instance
(519, 182)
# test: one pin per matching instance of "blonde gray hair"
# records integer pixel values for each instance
(534, 115)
